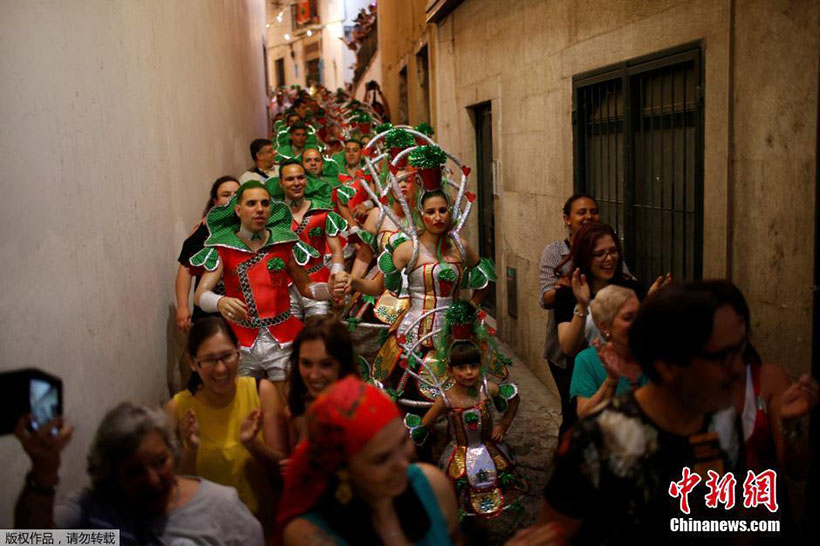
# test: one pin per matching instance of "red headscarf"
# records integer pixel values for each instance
(340, 422)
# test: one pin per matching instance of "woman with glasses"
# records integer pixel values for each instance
(219, 420)
(597, 262)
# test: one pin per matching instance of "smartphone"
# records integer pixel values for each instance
(29, 391)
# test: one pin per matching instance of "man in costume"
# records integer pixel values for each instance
(315, 223)
(292, 141)
(252, 246)
(264, 167)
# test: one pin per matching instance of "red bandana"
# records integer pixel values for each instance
(340, 422)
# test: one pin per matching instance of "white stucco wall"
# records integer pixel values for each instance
(117, 116)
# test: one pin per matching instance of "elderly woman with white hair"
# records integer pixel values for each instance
(608, 369)
(133, 486)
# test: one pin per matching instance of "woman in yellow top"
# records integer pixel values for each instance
(225, 423)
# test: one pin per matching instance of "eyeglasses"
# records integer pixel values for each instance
(230, 358)
(602, 254)
(725, 356)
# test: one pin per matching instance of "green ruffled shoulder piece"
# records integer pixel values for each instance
(392, 275)
(369, 239)
(506, 392)
(207, 258)
(345, 193)
(331, 168)
(418, 432)
(339, 159)
(480, 275)
(223, 224)
(285, 152)
(303, 252)
(334, 224)
(282, 137)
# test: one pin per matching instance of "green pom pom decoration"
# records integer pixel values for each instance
(419, 435)
(471, 417)
(362, 117)
(448, 274)
(315, 232)
(506, 391)
(427, 157)
(425, 128)
(412, 420)
(399, 138)
(276, 264)
(383, 127)
(461, 312)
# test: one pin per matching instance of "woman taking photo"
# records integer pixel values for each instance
(609, 369)
(351, 481)
(225, 423)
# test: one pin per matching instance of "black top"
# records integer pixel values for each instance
(193, 244)
(615, 471)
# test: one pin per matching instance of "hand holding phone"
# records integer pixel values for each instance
(43, 444)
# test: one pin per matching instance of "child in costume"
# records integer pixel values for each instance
(476, 458)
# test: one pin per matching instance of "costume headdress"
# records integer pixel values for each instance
(339, 424)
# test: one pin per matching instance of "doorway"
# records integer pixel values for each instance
(482, 114)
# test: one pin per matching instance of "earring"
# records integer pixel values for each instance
(344, 494)
(607, 335)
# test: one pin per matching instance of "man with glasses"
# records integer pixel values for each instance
(612, 476)
(252, 245)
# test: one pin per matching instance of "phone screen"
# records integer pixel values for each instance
(44, 400)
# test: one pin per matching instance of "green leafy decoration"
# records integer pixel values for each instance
(276, 264)
(448, 274)
(363, 117)
(460, 312)
(427, 157)
(393, 393)
(383, 127)
(419, 435)
(315, 232)
(507, 391)
(398, 138)
(425, 128)
(412, 420)
(369, 299)
(353, 323)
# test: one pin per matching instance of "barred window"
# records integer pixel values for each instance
(638, 143)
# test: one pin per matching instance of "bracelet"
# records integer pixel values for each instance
(579, 313)
(38, 488)
(335, 268)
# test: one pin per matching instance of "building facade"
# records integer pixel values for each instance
(694, 123)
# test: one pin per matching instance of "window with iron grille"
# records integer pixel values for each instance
(638, 142)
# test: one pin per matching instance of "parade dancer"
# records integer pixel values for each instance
(436, 262)
(485, 480)
(316, 225)
(252, 246)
